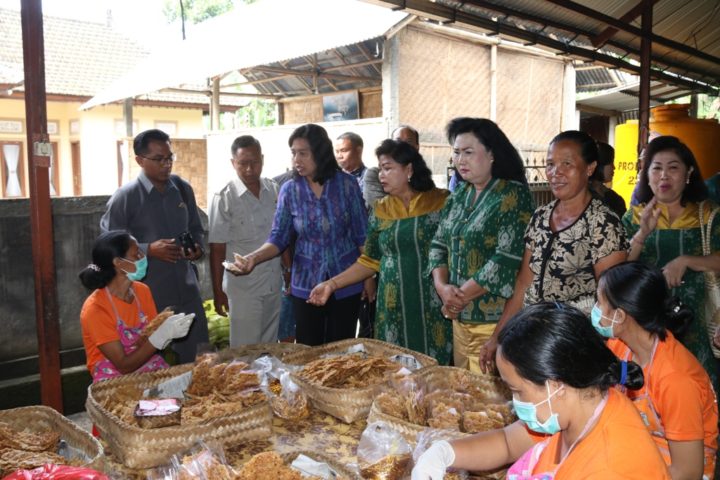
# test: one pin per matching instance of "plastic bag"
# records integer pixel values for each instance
(200, 462)
(383, 453)
(403, 397)
(57, 472)
(291, 403)
(431, 435)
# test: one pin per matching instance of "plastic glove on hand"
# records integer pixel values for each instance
(434, 462)
(176, 326)
(182, 325)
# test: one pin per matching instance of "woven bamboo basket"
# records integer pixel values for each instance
(279, 350)
(346, 404)
(41, 418)
(492, 387)
(138, 448)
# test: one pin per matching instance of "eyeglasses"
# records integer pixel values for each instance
(162, 160)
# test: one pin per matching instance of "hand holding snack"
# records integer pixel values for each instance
(176, 326)
(244, 265)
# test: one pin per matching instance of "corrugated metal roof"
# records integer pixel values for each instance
(625, 98)
(692, 23)
(265, 32)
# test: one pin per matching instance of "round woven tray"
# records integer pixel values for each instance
(137, 448)
(39, 418)
(346, 404)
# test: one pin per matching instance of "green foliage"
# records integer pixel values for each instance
(258, 113)
(218, 326)
(197, 11)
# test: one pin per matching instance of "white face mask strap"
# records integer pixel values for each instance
(550, 395)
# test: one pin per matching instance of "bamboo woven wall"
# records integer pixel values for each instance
(439, 78)
(529, 97)
(310, 109)
(191, 164)
(306, 110)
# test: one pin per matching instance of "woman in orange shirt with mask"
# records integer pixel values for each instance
(572, 424)
(677, 402)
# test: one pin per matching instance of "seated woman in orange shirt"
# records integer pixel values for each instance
(572, 424)
(677, 402)
(114, 315)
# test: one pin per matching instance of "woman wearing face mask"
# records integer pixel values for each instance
(114, 315)
(572, 425)
(677, 401)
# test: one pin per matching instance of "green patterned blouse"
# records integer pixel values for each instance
(397, 245)
(482, 239)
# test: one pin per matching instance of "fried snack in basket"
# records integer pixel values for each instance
(348, 371)
(445, 417)
(12, 459)
(29, 441)
(155, 323)
(392, 467)
(392, 405)
(474, 422)
(269, 465)
(459, 401)
(297, 410)
(212, 468)
(201, 383)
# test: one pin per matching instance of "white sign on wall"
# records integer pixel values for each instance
(8, 125)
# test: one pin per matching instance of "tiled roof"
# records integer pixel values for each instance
(81, 57)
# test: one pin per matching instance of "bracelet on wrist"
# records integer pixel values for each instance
(333, 284)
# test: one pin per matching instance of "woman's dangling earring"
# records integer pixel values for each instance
(409, 179)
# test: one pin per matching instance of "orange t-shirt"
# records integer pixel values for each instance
(680, 391)
(618, 446)
(98, 322)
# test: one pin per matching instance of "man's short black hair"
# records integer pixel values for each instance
(143, 139)
(354, 138)
(245, 141)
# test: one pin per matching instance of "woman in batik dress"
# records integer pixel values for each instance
(400, 229)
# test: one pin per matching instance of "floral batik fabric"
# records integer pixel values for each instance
(563, 262)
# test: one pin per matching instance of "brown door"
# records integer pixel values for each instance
(76, 168)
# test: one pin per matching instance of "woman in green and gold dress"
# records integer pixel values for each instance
(401, 227)
(665, 230)
(476, 252)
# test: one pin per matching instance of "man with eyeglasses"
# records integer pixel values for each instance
(241, 217)
(157, 208)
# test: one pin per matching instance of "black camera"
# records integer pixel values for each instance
(186, 242)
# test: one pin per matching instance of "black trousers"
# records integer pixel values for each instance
(336, 320)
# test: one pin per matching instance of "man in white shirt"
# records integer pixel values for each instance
(241, 217)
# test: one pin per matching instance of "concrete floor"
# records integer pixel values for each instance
(82, 420)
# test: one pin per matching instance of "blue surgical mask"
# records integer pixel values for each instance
(595, 317)
(140, 269)
(527, 413)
